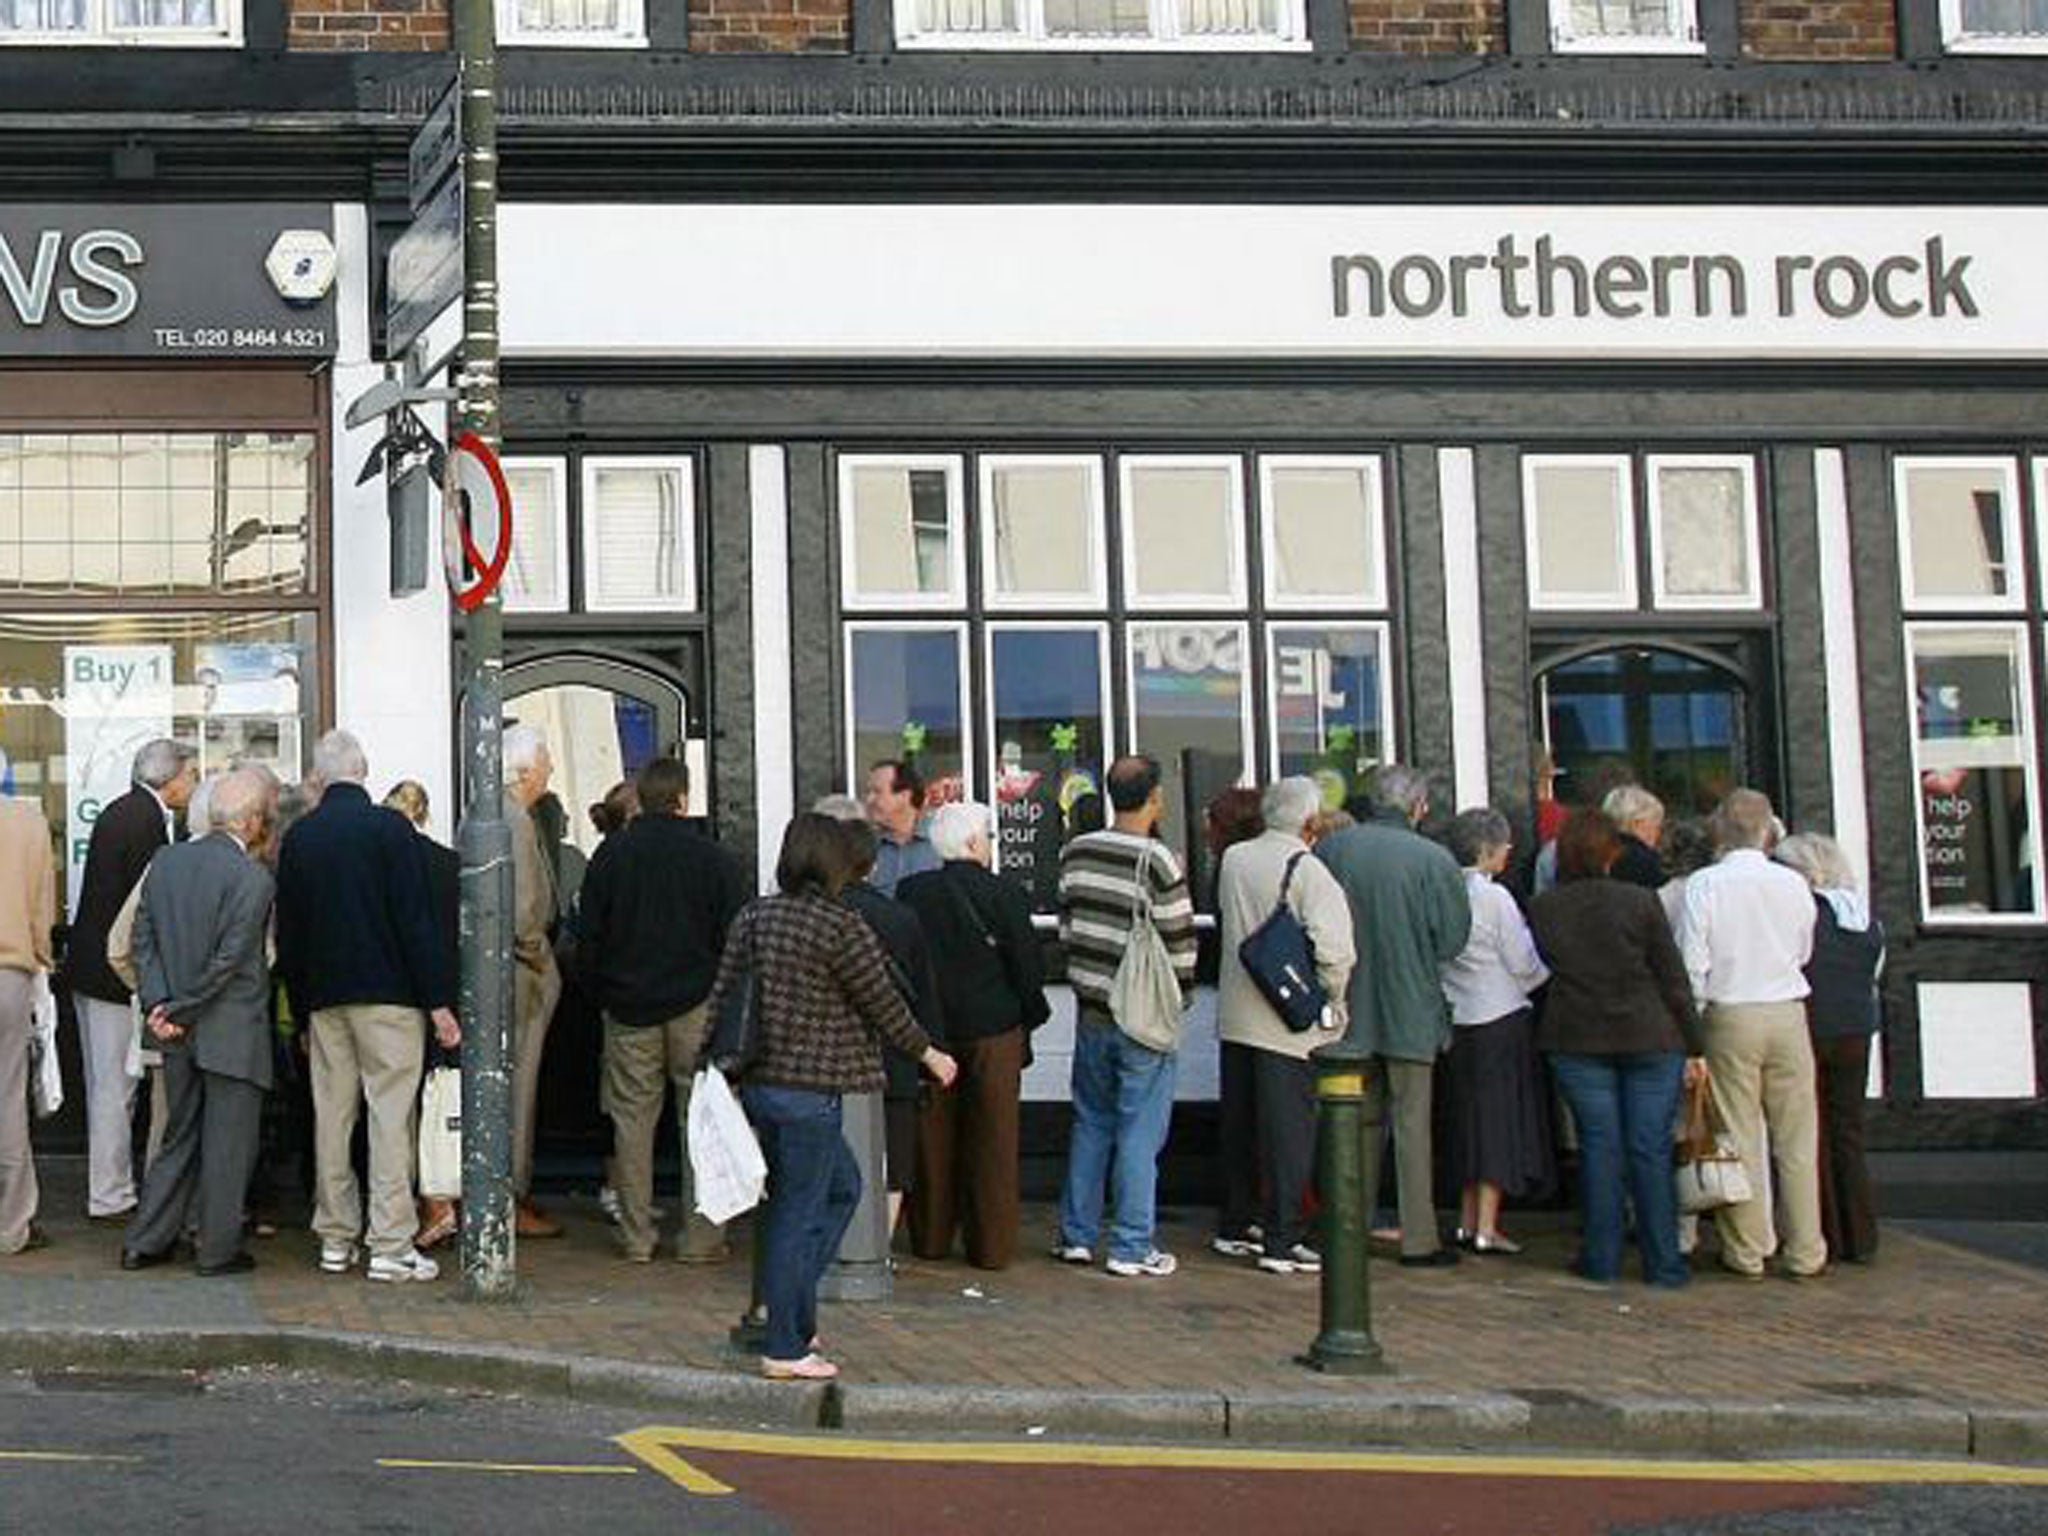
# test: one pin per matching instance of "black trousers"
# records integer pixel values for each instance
(209, 1150)
(1848, 1218)
(1268, 1144)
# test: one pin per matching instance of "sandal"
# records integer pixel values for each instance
(812, 1367)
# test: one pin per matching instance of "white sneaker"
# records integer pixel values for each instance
(1298, 1260)
(608, 1202)
(1157, 1264)
(409, 1265)
(1073, 1253)
(337, 1258)
(1235, 1247)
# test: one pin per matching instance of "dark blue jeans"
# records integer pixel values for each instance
(1624, 1107)
(813, 1187)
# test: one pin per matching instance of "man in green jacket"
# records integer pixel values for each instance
(1410, 917)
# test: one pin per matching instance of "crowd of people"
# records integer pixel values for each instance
(237, 936)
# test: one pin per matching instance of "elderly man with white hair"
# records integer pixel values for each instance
(1269, 1084)
(991, 991)
(536, 981)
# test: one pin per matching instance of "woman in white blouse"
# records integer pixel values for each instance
(1500, 1141)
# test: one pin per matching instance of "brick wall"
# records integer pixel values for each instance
(401, 26)
(1820, 29)
(1428, 26)
(770, 26)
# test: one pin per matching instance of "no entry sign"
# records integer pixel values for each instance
(475, 501)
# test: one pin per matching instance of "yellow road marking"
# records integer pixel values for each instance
(66, 1456)
(406, 1464)
(657, 1445)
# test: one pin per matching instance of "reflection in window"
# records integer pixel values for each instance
(1183, 532)
(1580, 533)
(1045, 705)
(1957, 534)
(1669, 722)
(1329, 704)
(1189, 710)
(899, 524)
(1973, 757)
(1043, 519)
(1323, 531)
(1705, 532)
(904, 701)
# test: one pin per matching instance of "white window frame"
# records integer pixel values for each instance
(957, 628)
(1685, 36)
(685, 470)
(995, 627)
(851, 599)
(1247, 748)
(2007, 469)
(1628, 597)
(2040, 468)
(1955, 39)
(1385, 632)
(557, 470)
(2029, 763)
(1375, 596)
(631, 32)
(993, 597)
(1751, 596)
(1165, 35)
(99, 32)
(1232, 601)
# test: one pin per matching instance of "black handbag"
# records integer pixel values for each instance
(1280, 958)
(736, 1030)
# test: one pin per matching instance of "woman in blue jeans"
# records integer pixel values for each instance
(1618, 1025)
(825, 1004)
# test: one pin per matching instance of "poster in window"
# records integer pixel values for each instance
(116, 698)
(1047, 691)
(1977, 841)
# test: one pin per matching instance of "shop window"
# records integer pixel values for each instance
(1703, 531)
(1325, 532)
(1183, 531)
(906, 697)
(1624, 26)
(1041, 531)
(572, 23)
(1048, 741)
(639, 535)
(163, 23)
(1995, 26)
(900, 533)
(1959, 534)
(1579, 514)
(1973, 762)
(1190, 708)
(1328, 701)
(1102, 24)
(229, 513)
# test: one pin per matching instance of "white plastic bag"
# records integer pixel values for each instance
(441, 1135)
(1708, 1183)
(46, 1080)
(725, 1159)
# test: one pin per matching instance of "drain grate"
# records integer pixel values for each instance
(123, 1383)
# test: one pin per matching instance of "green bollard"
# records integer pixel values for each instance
(1345, 1346)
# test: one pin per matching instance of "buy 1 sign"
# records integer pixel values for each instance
(474, 499)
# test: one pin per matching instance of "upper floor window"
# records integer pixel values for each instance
(1625, 26)
(1102, 24)
(1995, 26)
(165, 23)
(570, 23)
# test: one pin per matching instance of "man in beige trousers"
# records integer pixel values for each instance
(536, 981)
(1747, 932)
(28, 885)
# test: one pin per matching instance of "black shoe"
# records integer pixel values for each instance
(240, 1264)
(131, 1260)
(1440, 1258)
(37, 1238)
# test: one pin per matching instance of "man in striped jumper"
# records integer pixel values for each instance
(1123, 1092)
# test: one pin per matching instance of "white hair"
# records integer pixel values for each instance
(1288, 803)
(840, 808)
(955, 826)
(524, 745)
(1631, 804)
(1401, 789)
(239, 800)
(199, 809)
(159, 762)
(338, 758)
(1820, 858)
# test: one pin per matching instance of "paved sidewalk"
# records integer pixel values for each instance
(1900, 1355)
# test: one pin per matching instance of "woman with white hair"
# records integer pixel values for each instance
(992, 994)
(1842, 1013)
(1640, 816)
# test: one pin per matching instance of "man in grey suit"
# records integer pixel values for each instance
(204, 986)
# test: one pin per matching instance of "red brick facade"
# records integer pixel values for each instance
(1428, 26)
(1820, 29)
(770, 26)
(358, 26)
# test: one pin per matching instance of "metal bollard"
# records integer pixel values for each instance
(1345, 1346)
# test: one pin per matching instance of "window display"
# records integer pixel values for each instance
(1049, 728)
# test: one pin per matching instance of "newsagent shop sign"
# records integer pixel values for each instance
(1072, 280)
(166, 280)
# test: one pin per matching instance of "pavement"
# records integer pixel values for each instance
(1935, 1351)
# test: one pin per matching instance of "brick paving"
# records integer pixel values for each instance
(1929, 1322)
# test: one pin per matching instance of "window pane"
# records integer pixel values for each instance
(638, 537)
(1957, 534)
(568, 15)
(2005, 18)
(1974, 758)
(1097, 18)
(42, 15)
(1579, 515)
(534, 578)
(967, 15)
(1042, 530)
(165, 13)
(1230, 18)
(1325, 523)
(1328, 698)
(1046, 704)
(1624, 18)
(906, 703)
(900, 526)
(1183, 534)
(1188, 691)
(1703, 529)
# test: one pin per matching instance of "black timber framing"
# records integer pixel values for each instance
(732, 707)
(1801, 685)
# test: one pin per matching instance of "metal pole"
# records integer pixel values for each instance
(485, 841)
(1347, 1128)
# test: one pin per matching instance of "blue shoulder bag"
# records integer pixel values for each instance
(1281, 961)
